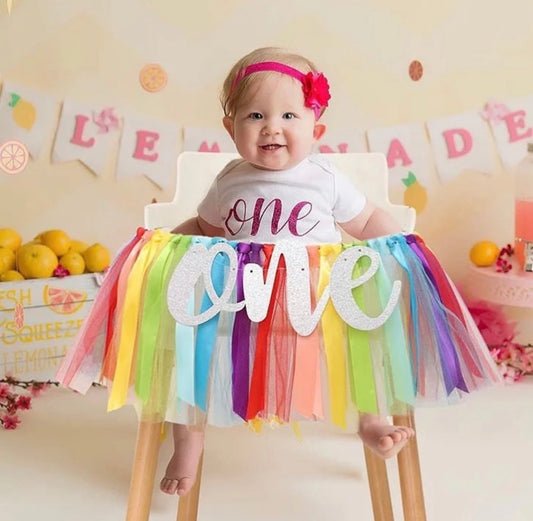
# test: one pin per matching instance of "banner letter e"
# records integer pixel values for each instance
(146, 141)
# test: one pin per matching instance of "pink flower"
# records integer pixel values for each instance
(11, 406)
(23, 402)
(61, 272)
(316, 91)
(4, 391)
(37, 389)
(495, 111)
(10, 421)
(510, 374)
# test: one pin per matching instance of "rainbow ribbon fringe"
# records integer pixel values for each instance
(230, 370)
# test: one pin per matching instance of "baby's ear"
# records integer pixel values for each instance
(319, 131)
(228, 125)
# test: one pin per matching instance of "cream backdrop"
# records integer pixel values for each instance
(92, 50)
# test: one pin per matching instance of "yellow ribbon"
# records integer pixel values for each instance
(130, 316)
(333, 334)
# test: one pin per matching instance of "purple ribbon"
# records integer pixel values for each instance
(449, 361)
(240, 338)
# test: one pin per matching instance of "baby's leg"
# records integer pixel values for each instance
(382, 438)
(183, 466)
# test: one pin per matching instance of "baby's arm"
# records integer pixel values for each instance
(371, 222)
(198, 226)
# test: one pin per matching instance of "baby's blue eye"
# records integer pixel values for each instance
(255, 115)
(289, 115)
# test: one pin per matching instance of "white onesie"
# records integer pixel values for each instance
(302, 203)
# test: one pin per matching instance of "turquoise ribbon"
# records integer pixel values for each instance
(399, 365)
(185, 357)
(393, 243)
(206, 332)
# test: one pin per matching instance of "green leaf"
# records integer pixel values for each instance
(409, 180)
(14, 99)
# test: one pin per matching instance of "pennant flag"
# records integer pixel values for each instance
(207, 140)
(461, 142)
(407, 149)
(148, 148)
(512, 127)
(28, 116)
(340, 141)
(81, 135)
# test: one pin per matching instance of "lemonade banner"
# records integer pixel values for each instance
(457, 142)
(148, 148)
(31, 122)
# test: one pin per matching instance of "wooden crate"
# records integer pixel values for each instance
(38, 320)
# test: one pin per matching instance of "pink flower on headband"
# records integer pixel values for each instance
(316, 91)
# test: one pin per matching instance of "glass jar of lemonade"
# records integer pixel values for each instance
(524, 211)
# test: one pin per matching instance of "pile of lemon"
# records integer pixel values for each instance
(39, 258)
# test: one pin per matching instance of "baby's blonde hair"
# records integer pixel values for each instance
(232, 94)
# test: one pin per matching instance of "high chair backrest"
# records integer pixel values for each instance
(197, 170)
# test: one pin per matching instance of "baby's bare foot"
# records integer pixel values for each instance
(180, 474)
(383, 439)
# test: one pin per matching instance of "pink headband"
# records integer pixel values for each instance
(314, 84)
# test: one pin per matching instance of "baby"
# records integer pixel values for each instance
(272, 102)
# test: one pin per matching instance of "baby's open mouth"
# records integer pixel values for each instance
(272, 146)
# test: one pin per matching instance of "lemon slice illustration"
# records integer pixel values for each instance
(63, 301)
(13, 157)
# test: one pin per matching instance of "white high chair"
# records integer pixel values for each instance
(196, 171)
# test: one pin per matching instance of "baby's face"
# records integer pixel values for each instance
(272, 128)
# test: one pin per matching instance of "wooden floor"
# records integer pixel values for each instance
(70, 460)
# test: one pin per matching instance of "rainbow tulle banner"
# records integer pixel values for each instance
(201, 330)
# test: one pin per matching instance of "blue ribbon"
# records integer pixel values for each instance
(400, 366)
(394, 246)
(206, 332)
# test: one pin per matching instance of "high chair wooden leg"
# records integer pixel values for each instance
(378, 482)
(143, 472)
(188, 505)
(410, 476)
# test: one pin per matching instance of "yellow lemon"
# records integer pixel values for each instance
(78, 246)
(57, 240)
(97, 258)
(484, 253)
(73, 262)
(10, 239)
(7, 259)
(11, 275)
(36, 261)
